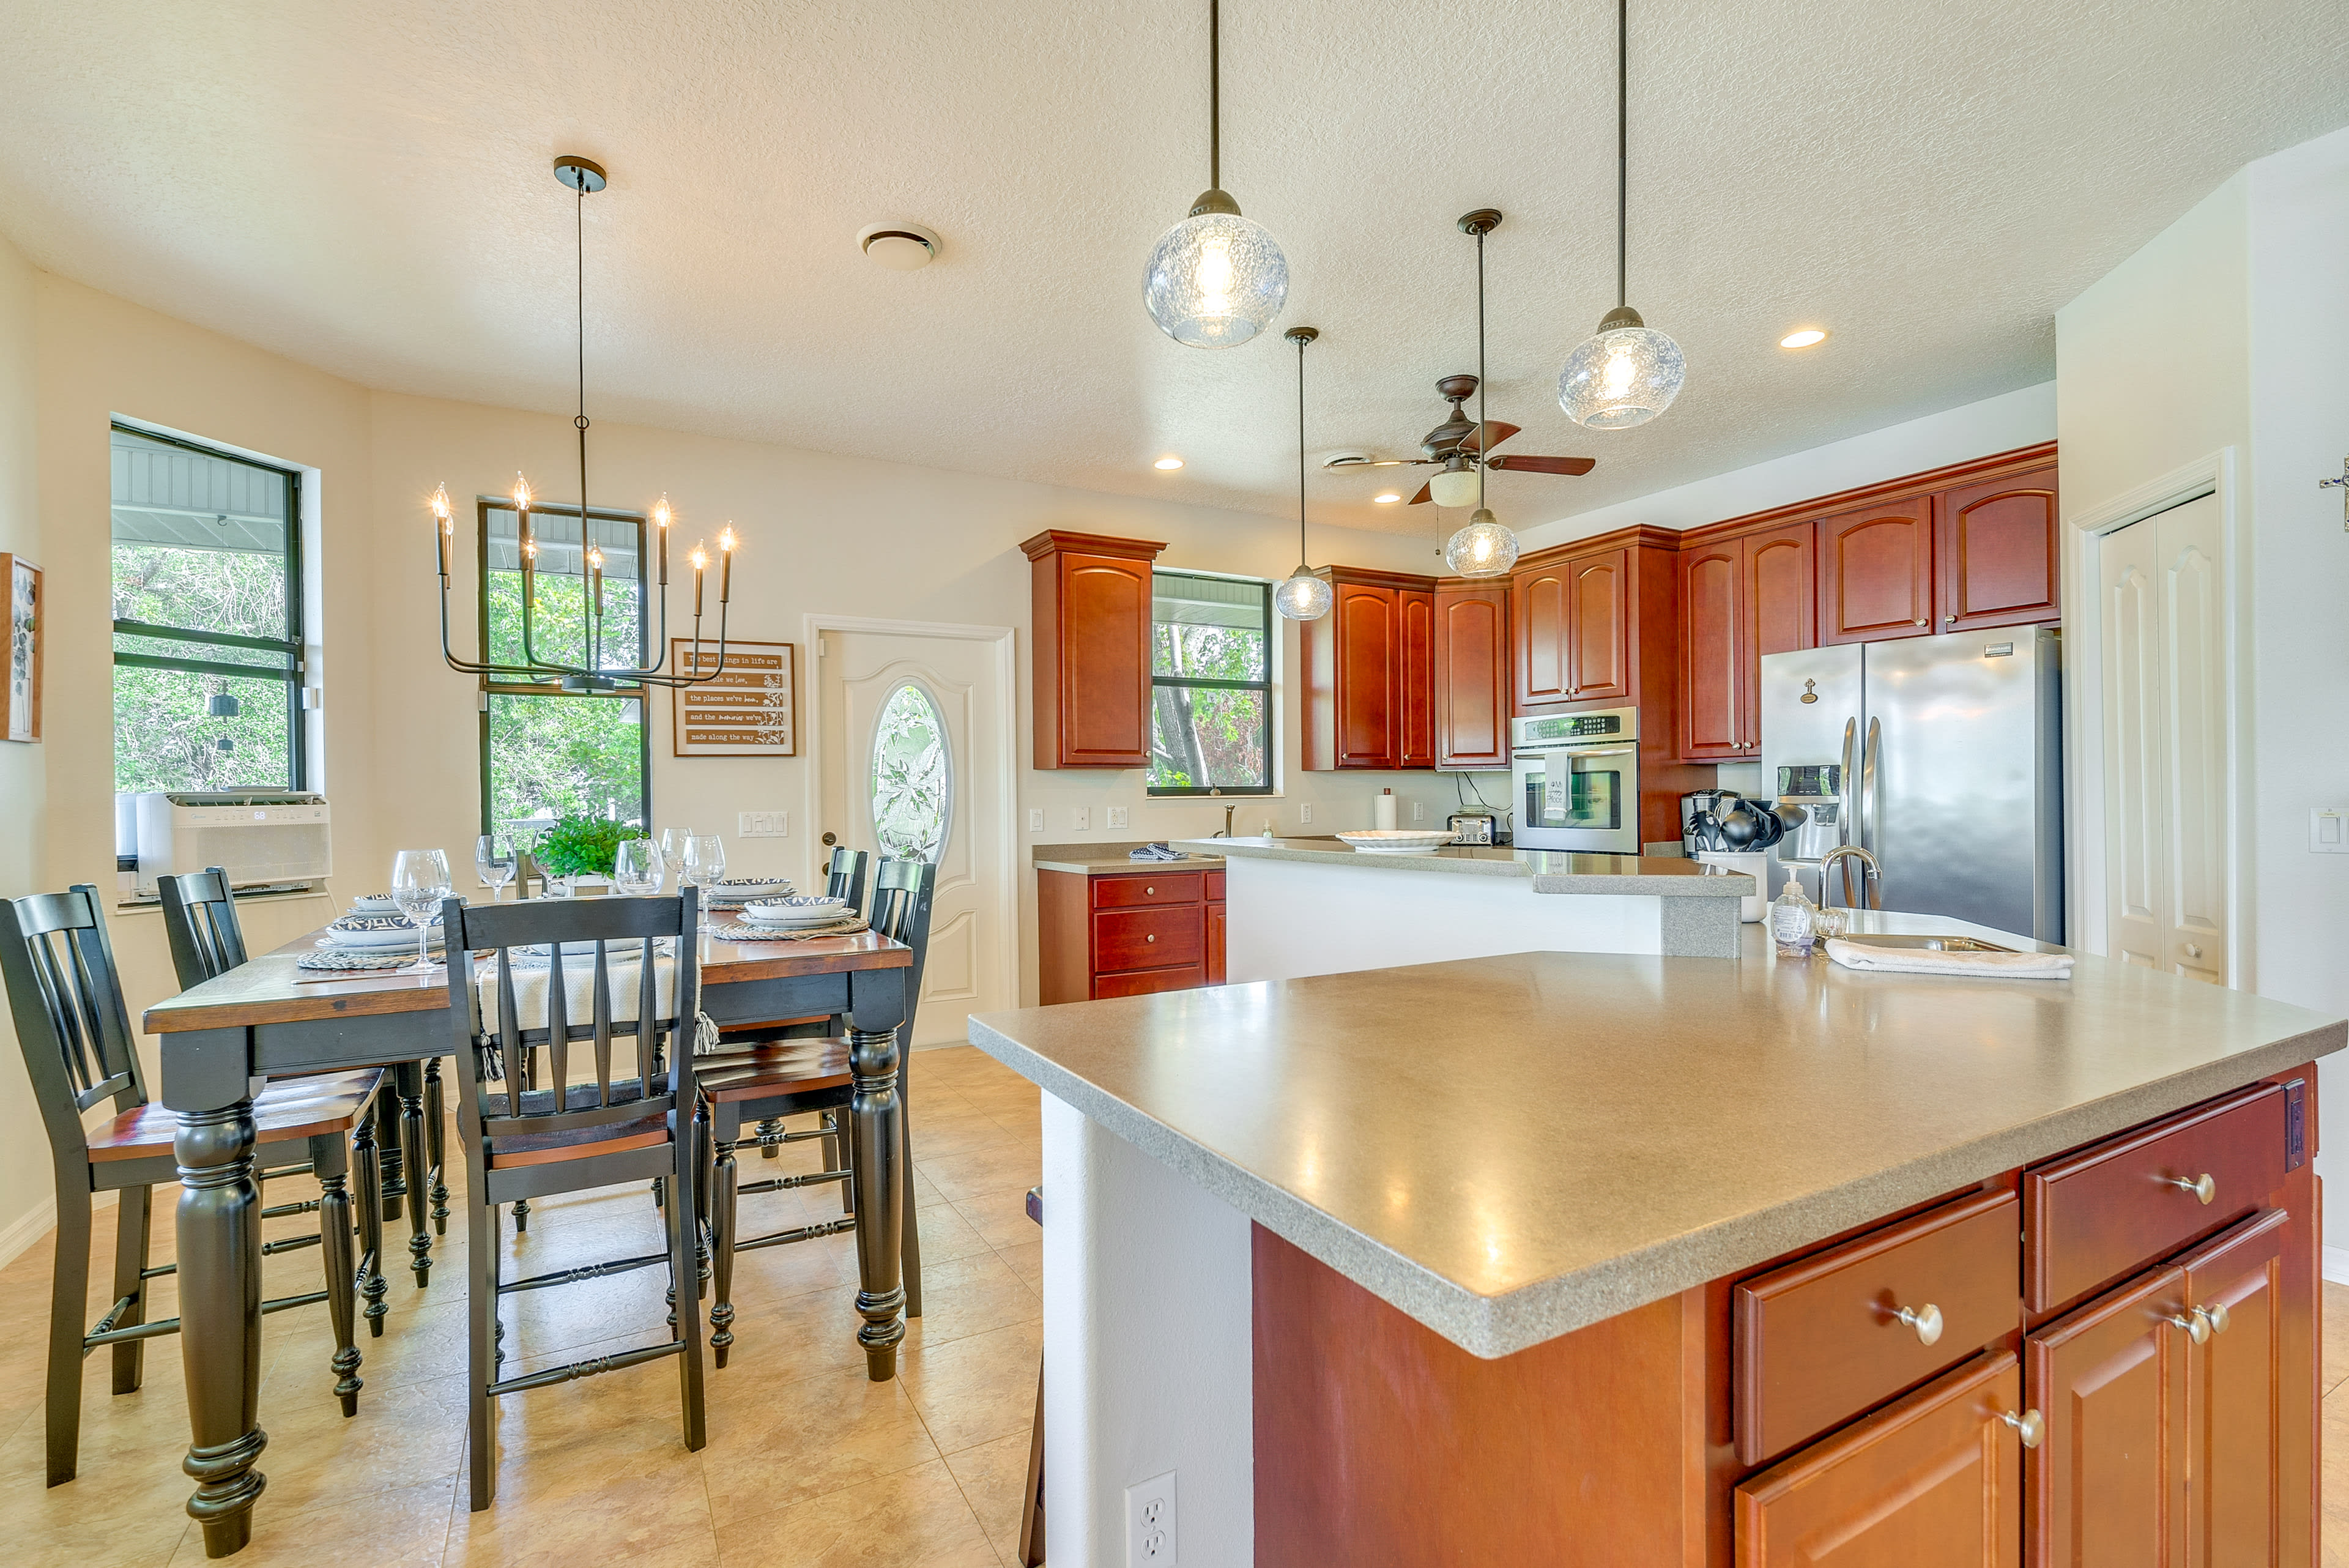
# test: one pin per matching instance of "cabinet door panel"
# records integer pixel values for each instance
(1152, 938)
(1415, 693)
(1713, 672)
(1930, 1481)
(1215, 944)
(1369, 658)
(1104, 662)
(1876, 573)
(2236, 1397)
(1998, 547)
(1598, 659)
(2107, 1482)
(1471, 677)
(1540, 615)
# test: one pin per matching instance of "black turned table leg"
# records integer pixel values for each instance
(436, 1139)
(409, 1078)
(387, 1138)
(877, 1155)
(220, 1320)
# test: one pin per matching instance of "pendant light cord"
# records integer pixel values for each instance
(1483, 429)
(1622, 136)
(1300, 453)
(579, 257)
(1216, 100)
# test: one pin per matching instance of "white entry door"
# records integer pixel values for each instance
(913, 753)
(2165, 742)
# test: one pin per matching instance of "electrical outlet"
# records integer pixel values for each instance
(1035, 819)
(1151, 1539)
(1419, 810)
(1117, 816)
(1081, 819)
(1305, 813)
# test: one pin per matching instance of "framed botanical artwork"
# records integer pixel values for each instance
(23, 581)
(750, 710)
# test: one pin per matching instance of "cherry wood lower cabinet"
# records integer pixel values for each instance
(1907, 1409)
(1127, 933)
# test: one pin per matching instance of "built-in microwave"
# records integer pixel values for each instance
(1575, 778)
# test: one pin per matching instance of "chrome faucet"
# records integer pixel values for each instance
(1871, 873)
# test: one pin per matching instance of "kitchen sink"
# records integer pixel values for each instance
(1931, 944)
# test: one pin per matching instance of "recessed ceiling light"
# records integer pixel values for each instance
(1803, 339)
(1168, 462)
(900, 247)
(1383, 498)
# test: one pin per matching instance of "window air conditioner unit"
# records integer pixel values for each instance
(262, 839)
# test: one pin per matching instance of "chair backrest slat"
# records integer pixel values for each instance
(648, 1055)
(65, 997)
(902, 893)
(604, 1028)
(200, 924)
(846, 877)
(558, 1018)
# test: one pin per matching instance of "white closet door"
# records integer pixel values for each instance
(2165, 742)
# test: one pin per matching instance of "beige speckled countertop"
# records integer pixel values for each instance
(1552, 870)
(1510, 1148)
(1088, 859)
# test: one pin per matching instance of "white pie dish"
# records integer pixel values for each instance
(1395, 841)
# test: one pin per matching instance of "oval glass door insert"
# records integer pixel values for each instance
(912, 777)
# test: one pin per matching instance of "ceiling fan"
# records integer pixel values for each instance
(1458, 446)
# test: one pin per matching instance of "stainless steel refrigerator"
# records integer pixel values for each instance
(1942, 756)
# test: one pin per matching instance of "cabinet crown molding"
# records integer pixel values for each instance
(2020, 459)
(1638, 535)
(1052, 539)
(1367, 577)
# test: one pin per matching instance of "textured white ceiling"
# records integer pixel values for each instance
(368, 189)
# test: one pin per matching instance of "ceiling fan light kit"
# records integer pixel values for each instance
(1627, 372)
(1461, 487)
(1215, 279)
(1303, 597)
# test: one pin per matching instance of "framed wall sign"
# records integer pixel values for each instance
(751, 709)
(22, 580)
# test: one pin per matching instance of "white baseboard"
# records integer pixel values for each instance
(2336, 1265)
(29, 1227)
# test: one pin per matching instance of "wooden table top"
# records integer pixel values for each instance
(269, 989)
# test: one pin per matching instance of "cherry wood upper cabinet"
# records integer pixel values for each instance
(1368, 691)
(1472, 674)
(1713, 661)
(1598, 627)
(1539, 615)
(1934, 1481)
(1091, 654)
(2107, 1481)
(1998, 546)
(1415, 693)
(1875, 572)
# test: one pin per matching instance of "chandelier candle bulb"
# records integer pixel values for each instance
(700, 559)
(726, 564)
(661, 523)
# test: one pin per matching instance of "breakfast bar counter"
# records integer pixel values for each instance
(1287, 1224)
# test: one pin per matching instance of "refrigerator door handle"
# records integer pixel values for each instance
(1872, 787)
(1847, 794)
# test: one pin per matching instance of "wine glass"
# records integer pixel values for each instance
(705, 858)
(420, 880)
(493, 857)
(636, 867)
(672, 848)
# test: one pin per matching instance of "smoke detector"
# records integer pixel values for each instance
(900, 247)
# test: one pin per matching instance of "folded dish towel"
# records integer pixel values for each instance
(1158, 851)
(1926, 960)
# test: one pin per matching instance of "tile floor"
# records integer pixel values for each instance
(809, 1465)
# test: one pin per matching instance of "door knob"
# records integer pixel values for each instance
(1926, 1320)
(2197, 1327)
(2031, 1426)
(830, 840)
(2193, 951)
(2202, 1185)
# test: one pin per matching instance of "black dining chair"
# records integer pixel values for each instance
(844, 878)
(772, 1079)
(608, 1129)
(64, 996)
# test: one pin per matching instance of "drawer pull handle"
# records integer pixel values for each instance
(1149, 890)
(2202, 1186)
(2215, 1315)
(2031, 1426)
(2197, 1327)
(1926, 1320)
(1150, 937)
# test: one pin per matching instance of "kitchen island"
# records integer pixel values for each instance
(1602, 1258)
(1316, 905)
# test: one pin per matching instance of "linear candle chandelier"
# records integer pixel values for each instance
(584, 176)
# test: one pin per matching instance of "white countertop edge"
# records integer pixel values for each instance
(1684, 885)
(1490, 1327)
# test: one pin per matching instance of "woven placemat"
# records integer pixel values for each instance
(749, 933)
(348, 961)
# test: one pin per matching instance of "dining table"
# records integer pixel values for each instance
(222, 1040)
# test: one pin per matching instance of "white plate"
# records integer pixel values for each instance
(802, 909)
(376, 942)
(1395, 841)
(800, 923)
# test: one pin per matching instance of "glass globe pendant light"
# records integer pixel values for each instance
(1215, 279)
(1484, 548)
(1303, 597)
(1627, 372)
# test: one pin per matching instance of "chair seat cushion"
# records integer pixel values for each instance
(287, 1109)
(779, 1067)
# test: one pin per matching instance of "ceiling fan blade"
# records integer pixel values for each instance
(1502, 431)
(1350, 461)
(1528, 464)
(1426, 492)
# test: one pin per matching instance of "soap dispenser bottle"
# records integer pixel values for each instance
(1794, 923)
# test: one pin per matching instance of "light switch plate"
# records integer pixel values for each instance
(1081, 819)
(762, 824)
(1117, 816)
(1035, 819)
(2328, 830)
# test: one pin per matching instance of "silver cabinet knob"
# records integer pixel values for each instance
(2031, 1426)
(1926, 1320)
(1921, 620)
(1949, 621)
(2197, 1327)
(2202, 1185)
(1150, 936)
(2215, 1314)
(1148, 891)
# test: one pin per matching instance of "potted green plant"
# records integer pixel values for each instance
(576, 846)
